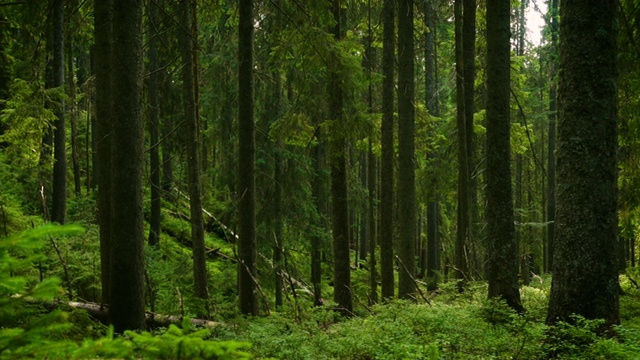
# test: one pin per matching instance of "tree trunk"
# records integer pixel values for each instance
(339, 204)
(154, 138)
(247, 272)
(188, 46)
(585, 265)
(468, 78)
(103, 136)
(320, 197)
(406, 153)
(75, 155)
(433, 248)
(126, 303)
(551, 155)
(503, 256)
(463, 212)
(388, 152)
(59, 197)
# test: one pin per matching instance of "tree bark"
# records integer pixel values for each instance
(388, 152)
(585, 265)
(339, 204)
(188, 47)
(59, 197)
(551, 153)
(406, 153)
(126, 302)
(463, 211)
(103, 136)
(247, 272)
(154, 138)
(502, 264)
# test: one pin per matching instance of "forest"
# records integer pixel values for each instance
(319, 179)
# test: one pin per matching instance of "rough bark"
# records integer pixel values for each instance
(585, 265)
(388, 152)
(502, 264)
(339, 205)
(247, 272)
(126, 293)
(406, 152)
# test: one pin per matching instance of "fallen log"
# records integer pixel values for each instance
(153, 320)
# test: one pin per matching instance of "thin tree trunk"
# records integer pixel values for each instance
(406, 153)
(388, 152)
(339, 205)
(247, 272)
(59, 197)
(103, 136)
(462, 235)
(75, 156)
(551, 154)
(154, 138)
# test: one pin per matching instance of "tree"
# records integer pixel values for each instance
(102, 69)
(247, 271)
(338, 148)
(187, 44)
(59, 198)
(406, 153)
(387, 159)
(585, 263)
(502, 266)
(154, 138)
(551, 152)
(126, 292)
(431, 99)
(463, 212)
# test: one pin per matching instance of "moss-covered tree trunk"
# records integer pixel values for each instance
(503, 257)
(551, 152)
(388, 152)
(126, 293)
(585, 263)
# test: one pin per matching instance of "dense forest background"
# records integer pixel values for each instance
(319, 179)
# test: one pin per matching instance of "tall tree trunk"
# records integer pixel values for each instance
(469, 77)
(320, 197)
(247, 272)
(339, 204)
(126, 302)
(585, 265)
(463, 212)
(102, 167)
(75, 156)
(388, 152)
(433, 248)
(188, 46)
(406, 153)
(154, 138)
(503, 256)
(551, 155)
(59, 197)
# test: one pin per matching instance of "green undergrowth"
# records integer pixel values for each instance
(452, 325)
